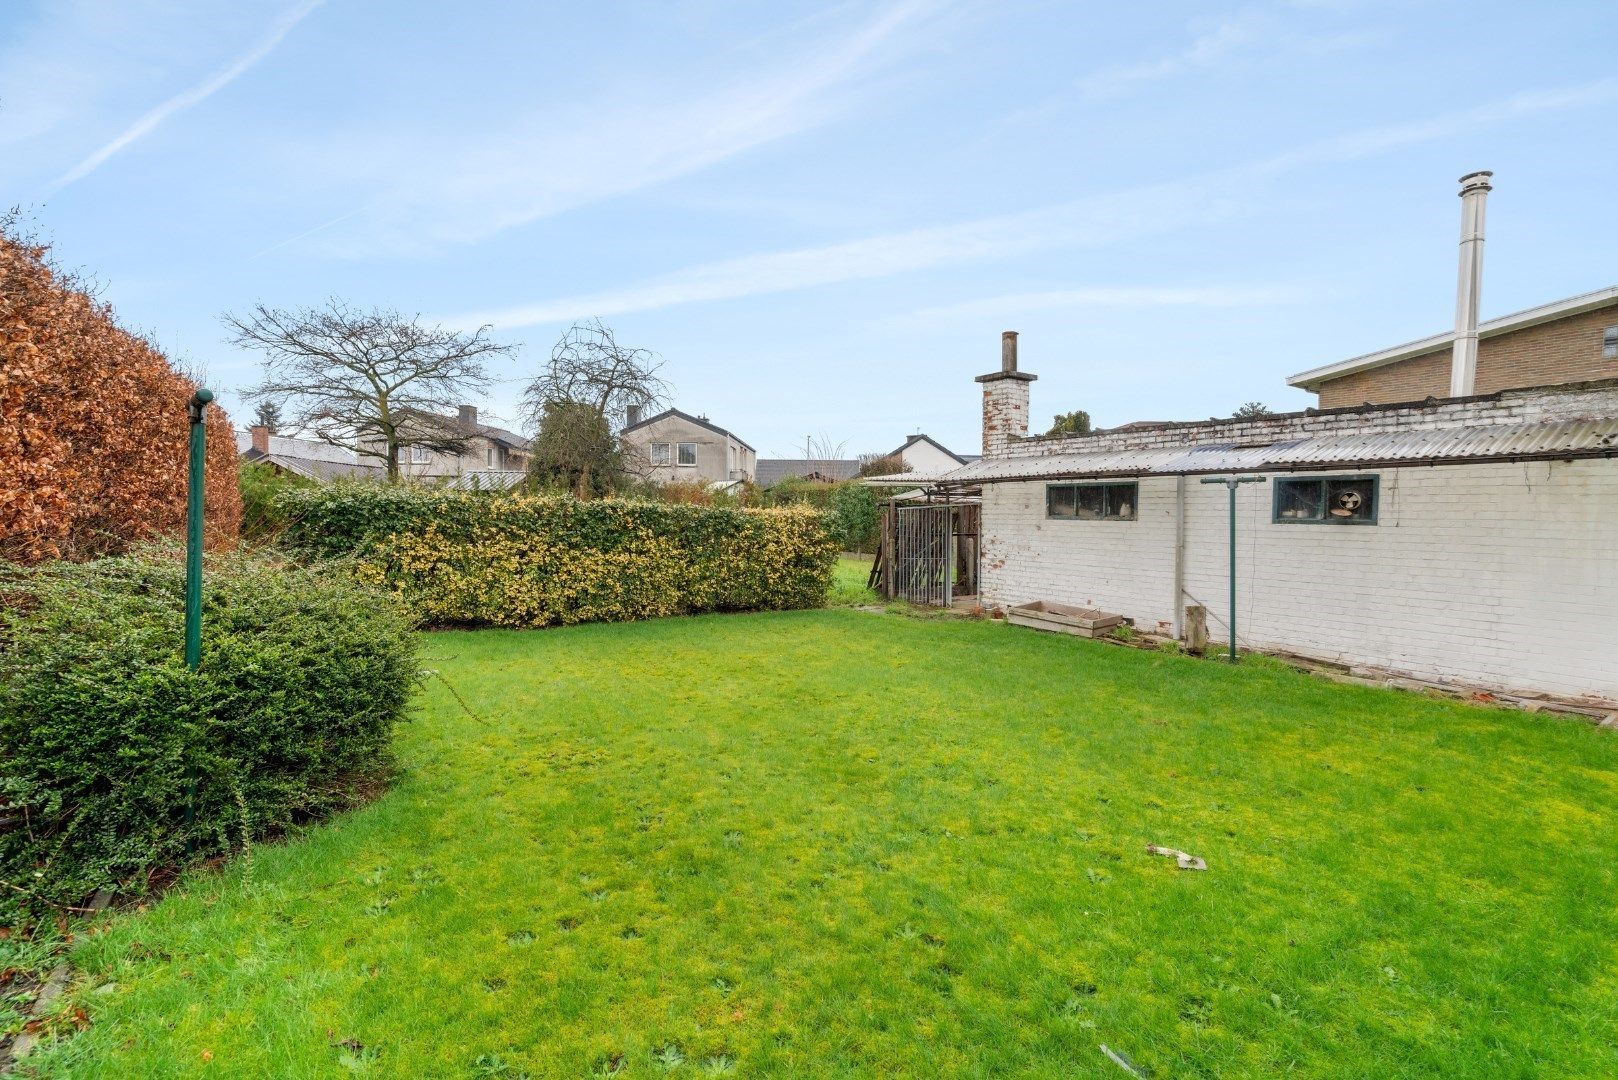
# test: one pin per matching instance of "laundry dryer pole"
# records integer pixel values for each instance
(1231, 483)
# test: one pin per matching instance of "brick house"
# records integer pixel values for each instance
(676, 447)
(1467, 540)
(1568, 341)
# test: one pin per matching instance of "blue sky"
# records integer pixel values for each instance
(823, 215)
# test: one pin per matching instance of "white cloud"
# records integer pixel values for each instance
(1086, 223)
(1214, 296)
(147, 123)
(1245, 31)
(480, 183)
(1227, 36)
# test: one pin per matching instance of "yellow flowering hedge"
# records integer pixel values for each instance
(549, 560)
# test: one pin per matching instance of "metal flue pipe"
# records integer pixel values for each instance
(1463, 373)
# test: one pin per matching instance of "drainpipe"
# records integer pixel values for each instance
(1463, 371)
(1179, 558)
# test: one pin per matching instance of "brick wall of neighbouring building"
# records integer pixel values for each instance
(1562, 351)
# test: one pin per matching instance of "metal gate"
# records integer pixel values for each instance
(923, 556)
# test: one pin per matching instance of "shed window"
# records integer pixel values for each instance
(660, 453)
(1326, 500)
(688, 453)
(1092, 502)
(1609, 343)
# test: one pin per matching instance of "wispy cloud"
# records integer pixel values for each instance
(1211, 296)
(480, 183)
(1227, 36)
(194, 95)
(1093, 222)
(1245, 31)
(1090, 222)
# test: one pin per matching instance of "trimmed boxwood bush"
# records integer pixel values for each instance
(528, 560)
(108, 744)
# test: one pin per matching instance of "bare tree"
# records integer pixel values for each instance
(371, 381)
(589, 367)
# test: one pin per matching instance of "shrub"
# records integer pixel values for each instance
(263, 518)
(108, 742)
(855, 517)
(348, 517)
(93, 428)
(520, 560)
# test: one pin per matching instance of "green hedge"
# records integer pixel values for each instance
(108, 744)
(519, 560)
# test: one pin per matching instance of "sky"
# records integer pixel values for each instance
(822, 215)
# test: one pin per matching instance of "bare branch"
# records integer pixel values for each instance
(370, 381)
(589, 367)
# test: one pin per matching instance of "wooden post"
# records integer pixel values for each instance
(890, 535)
(1196, 629)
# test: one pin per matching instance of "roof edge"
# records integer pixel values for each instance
(1504, 324)
(683, 415)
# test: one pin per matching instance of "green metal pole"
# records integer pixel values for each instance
(1231, 483)
(1231, 487)
(193, 530)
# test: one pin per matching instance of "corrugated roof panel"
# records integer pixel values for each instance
(1572, 438)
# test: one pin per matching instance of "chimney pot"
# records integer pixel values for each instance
(261, 438)
(469, 417)
(1008, 351)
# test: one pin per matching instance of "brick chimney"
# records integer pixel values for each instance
(469, 417)
(1005, 400)
(261, 438)
(632, 416)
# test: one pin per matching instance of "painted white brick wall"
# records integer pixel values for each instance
(1500, 575)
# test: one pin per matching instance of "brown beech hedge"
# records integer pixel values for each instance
(93, 431)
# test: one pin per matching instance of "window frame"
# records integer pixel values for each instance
(1326, 518)
(1609, 343)
(420, 455)
(1134, 504)
(679, 455)
(667, 456)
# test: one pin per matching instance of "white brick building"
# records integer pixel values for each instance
(1470, 540)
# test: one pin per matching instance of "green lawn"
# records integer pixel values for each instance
(847, 844)
(848, 580)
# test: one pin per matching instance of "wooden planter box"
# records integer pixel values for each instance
(1063, 618)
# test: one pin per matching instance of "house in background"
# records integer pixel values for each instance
(311, 459)
(1572, 340)
(492, 457)
(497, 456)
(926, 456)
(676, 447)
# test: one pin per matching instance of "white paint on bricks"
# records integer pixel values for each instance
(1502, 575)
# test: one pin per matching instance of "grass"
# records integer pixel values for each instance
(845, 844)
(848, 580)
